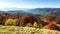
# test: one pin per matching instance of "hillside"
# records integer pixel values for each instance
(37, 11)
(45, 11)
(25, 30)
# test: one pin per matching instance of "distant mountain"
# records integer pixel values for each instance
(45, 11)
(37, 11)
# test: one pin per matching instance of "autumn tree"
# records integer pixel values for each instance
(24, 20)
(49, 19)
(11, 22)
(2, 16)
(27, 19)
(33, 18)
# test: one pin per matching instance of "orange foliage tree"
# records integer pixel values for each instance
(50, 19)
(24, 20)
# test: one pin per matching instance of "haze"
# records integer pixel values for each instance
(29, 4)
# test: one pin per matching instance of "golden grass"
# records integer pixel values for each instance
(25, 30)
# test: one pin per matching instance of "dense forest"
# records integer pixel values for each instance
(41, 18)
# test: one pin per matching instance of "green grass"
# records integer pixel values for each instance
(25, 30)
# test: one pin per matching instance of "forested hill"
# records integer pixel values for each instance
(37, 11)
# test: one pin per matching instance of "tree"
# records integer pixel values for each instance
(24, 20)
(52, 22)
(0, 22)
(11, 22)
(49, 19)
(2, 17)
(35, 25)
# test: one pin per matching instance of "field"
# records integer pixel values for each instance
(25, 30)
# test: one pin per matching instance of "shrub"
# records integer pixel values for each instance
(10, 22)
(29, 25)
(40, 25)
(35, 24)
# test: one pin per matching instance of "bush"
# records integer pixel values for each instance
(35, 24)
(10, 22)
(29, 25)
(40, 25)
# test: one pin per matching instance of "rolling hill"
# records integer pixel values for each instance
(37, 11)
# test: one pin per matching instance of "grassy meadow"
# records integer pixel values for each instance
(25, 30)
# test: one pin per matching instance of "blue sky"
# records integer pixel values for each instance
(30, 3)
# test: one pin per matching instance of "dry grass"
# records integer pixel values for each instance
(25, 30)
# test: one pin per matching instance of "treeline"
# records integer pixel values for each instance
(48, 22)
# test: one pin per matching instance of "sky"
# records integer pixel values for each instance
(30, 3)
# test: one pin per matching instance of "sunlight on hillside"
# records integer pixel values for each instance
(25, 30)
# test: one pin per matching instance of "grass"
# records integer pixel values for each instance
(25, 30)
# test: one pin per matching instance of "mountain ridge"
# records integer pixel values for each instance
(38, 11)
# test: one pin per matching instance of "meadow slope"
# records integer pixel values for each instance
(25, 30)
